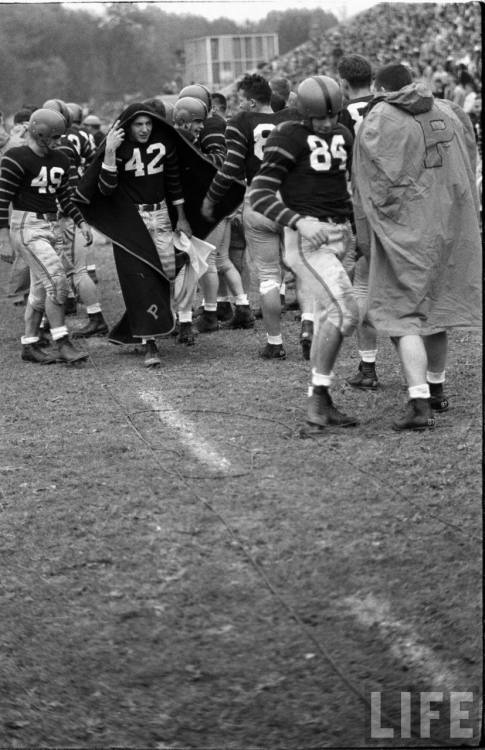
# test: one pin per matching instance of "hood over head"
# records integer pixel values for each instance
(414, 98)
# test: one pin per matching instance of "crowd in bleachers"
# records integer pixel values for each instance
(438, 41)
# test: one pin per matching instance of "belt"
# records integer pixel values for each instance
(334, 219)
(47, 217)
(149, 206)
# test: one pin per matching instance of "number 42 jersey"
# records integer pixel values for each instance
(310, 171)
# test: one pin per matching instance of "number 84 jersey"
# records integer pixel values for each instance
(312, 169)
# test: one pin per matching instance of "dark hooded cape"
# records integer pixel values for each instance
(146, 289)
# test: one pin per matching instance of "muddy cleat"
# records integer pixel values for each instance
(152, 357)
(418, 416)
(323, 413)
(70, 306)
(306, 337)
(366, 377)
(439, 402)
(38, 353)
(186, 334)
(243, 317)
(96, 326)
(225, 313)
(207, 322)
(273, 351)
(68, 353)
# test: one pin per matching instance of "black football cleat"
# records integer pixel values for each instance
(273, 351)
(322, 412)
(68, 353)
(439, 402)
(38, 353)
(186, 334)
(152, 356)
(418, 416)
(96, 326)
(366, 377)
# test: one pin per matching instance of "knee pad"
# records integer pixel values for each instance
(269, 285)
(35, 302)
(60, 288)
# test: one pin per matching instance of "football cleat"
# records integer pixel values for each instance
(225, 313)
(96, 326)
(68, 353)
(38, 353)
(439, 402)
(186, 334)
(366, 377)
(243, 317)
(152, 357)
(273, 351)
(418, 416)
(306, 337)
(207, 322)
(70, 306)
(322, 412)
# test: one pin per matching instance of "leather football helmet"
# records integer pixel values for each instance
(188, 108)
(76, 112)
(319, 96)
(45, 124)
(198, 91)
(59, 106)
(92, 120)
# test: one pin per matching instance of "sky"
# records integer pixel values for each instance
(249, 9)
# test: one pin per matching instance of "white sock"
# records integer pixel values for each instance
(275, 339)
(223, 299)
(308, 316)
(92, 309)
(185, 317)
(241, 299)
(368, 356)
(29, 339)
(210, 307)
(283, 289)
(319, 378)
(59, 333)
(419, 391)
(435, 377)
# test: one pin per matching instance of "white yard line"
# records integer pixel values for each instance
(187, 433)
(403, 642)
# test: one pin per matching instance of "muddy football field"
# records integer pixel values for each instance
(180, 568)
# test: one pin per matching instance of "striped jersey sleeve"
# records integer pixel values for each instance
(213, 141)
(233, 167)
(11, 174)
(64, 199)
(173, 184)
(263, 194)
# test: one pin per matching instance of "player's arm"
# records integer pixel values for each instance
(173, 188)
(11, 174)
(108, 174)
(68, 208)
(213, 145)
(232, 169)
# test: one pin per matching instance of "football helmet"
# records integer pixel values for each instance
(59, 106)
(92, 120)
(197, 91)
(319, 96)
(76, 112)
(45, 124)
(188, 108)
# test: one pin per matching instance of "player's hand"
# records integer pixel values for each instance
(183, 226)
(207, 209)
(114, 137)
(86, 232)
(313, 231)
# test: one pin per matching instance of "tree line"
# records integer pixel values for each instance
(47, 50)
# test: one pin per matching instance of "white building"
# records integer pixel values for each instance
(217, 61)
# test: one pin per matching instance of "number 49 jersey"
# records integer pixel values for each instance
(316, 166)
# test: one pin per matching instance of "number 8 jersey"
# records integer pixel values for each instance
(309, 170)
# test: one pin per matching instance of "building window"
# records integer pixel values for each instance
(215, 48)
(236, 47)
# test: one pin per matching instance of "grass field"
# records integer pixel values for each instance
(180, 569)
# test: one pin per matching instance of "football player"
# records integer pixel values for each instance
(355, 73)
(142, 162)
(246, 135)
(302, 185)
(75, 252)
(32, 178)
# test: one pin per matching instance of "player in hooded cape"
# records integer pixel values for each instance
(145, 286)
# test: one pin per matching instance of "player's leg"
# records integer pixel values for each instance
(414, 363)
(366, 377)
(263, 239)
(209, 283)
(437, 350)
(243, 317)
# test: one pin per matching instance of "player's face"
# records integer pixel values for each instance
(243, 102)
(323, 125)
(140, 129)
(196, 127)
